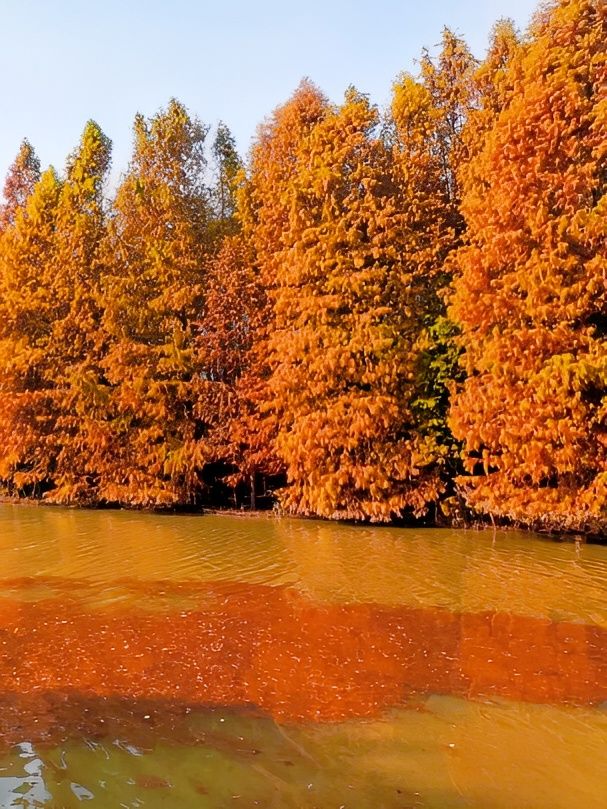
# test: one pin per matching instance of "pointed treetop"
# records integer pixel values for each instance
(491, 77)
(22, 176)
(290, 120)
(224, 145)
(412, 112)
(228, 167)
(449, 76)
(91, 158)
(169, 146)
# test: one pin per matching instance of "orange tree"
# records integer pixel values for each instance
(22, 176)
(26, 322)
(346, 322)
(531, 295)
(449, 83)
(494, 79)
(429, 118)
(75, 351)
(229, 322)
(50, 318)
(263, 214)
(151, 445)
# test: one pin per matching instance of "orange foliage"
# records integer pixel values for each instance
(49, 328)
(345, 320)
(428, 117)
(26, 321)
(289, 317)
(234, 301)
(150, 447)
(264, 213)
(531, 298)
(22, 176)
(449, 81)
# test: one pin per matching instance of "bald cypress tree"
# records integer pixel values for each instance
(263, 211)
(76, 350)
(429, 118)
(27, 315)
(22, 176)
(346, 322)
(155, 256)
(531, 296)
(50, 324)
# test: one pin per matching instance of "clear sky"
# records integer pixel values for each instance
(65, 61)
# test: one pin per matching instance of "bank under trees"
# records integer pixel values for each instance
(378, 315)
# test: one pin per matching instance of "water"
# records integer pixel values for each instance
(156, 661)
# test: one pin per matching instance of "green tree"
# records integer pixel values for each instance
(227, 166)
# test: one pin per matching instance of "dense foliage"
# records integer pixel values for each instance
(531, 296)
(377, 315)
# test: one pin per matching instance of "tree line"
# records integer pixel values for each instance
(378, 315)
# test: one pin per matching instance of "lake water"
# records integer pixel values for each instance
(219, 661)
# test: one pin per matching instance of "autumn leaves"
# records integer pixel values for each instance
(382, 309)
(97, 367)
(530, 288)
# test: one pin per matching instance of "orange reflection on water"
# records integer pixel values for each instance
(270, 647)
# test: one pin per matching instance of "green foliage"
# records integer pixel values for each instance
(228, 167)
(438, 368)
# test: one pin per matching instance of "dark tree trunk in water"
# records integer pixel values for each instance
(253, 505)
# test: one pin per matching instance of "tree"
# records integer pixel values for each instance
(263, 212)
(76, 350)
(234, 300)
(22, 176)
(228, 167)
(346, 322)
(427, 128)
(51, 324)
(155, 252)
(531, 297)
(449, 80)
(26, 321)
(494, 83)
(494, 78)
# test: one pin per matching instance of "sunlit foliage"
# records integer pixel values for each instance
(340, 354)
(153, 289)
(531, 299)
(430, 115)
(389, 313)
(264, 211)
(49, 323)
(22, 176)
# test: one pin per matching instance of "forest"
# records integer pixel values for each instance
(379, 315)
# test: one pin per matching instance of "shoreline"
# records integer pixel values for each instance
(274, 514)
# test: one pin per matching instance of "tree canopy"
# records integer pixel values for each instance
(376, 315)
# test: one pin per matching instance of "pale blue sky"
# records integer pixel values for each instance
(65, 61)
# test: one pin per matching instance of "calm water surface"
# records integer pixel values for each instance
(155, 661)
